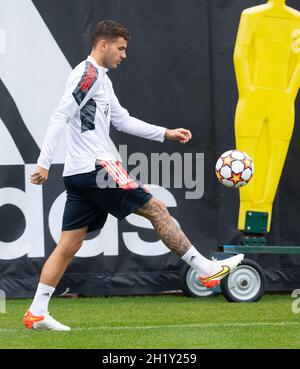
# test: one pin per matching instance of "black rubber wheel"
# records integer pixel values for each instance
(191, 287)
(245, 284)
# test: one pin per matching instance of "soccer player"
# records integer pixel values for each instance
(86, 110)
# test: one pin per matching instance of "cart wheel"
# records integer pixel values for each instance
(191, 286)
(245, 284)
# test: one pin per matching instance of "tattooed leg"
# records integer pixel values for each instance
(176, 241)
(167, 230)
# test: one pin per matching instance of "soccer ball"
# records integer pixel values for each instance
(234, 169)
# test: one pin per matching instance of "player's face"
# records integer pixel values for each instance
(115, 52)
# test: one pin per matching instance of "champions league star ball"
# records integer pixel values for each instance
(234, 169)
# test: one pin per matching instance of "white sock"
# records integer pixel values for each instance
(41, 299)
(202, 265)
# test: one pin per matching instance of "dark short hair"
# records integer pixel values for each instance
(109, 30)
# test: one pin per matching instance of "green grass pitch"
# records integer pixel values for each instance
(164, 322)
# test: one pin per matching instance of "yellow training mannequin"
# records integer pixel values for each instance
(267, 65)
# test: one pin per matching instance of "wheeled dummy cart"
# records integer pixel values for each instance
(267, 66)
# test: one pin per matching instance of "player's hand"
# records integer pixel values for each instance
(39, 176)
(179, 134)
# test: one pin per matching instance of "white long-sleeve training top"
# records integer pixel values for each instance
(87, 108)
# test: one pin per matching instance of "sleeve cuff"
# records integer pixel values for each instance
(42, 164)
(163, 133)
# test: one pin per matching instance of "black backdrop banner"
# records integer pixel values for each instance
(178, 73)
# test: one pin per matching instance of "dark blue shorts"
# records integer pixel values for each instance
(89, 200)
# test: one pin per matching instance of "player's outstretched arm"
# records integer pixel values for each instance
(39, 176)
(179, 134)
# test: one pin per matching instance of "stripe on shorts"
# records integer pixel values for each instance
(119, 174)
